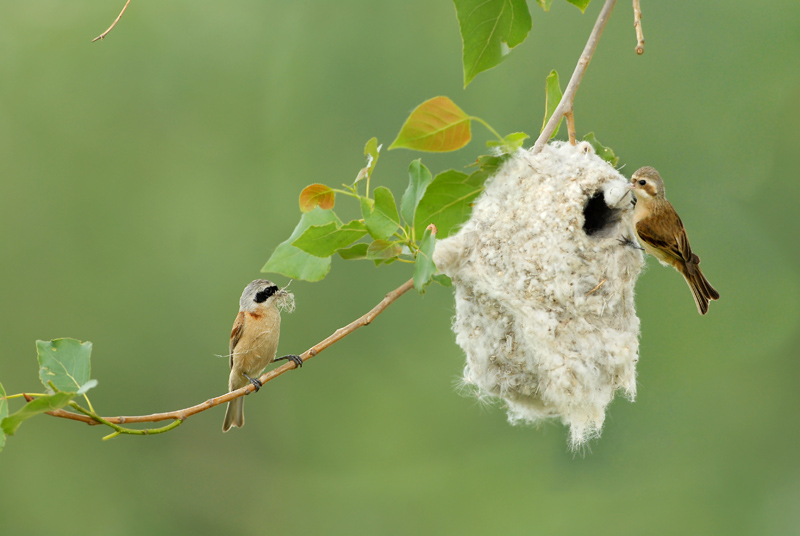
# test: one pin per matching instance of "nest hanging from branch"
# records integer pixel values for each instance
(544, 275)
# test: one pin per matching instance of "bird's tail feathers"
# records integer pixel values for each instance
(702, 291)
(234, 416)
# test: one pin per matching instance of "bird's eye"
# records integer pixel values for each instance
(264, 295)
(642, 183)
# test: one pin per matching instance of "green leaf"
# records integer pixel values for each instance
(380, 215)
(580, 4)
(545, 4)
(372, 152)
(442, 279)
(317, 195)
(36, 407)
(423, 266)
(489, 30)
(383, 250)
(490, 163)
(3, 414)
(355, 252)
(447, 202)
(418, 180)
(65, 362)
(436, 125)
(296, 263)
(552, 89)
(606, 153)
(324, 240)
(510, 144)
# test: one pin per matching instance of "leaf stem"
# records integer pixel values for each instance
(21, 395)
(345, 192)
(122, 430)
(88, 403)
(488, 126)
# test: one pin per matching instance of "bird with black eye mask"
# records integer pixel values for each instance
(254, 342)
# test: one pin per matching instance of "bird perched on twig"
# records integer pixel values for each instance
(661, 232)
(254, 341)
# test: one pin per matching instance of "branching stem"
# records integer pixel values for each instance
(181, 415)
(566, 105)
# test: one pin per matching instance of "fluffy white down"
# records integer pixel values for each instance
(545, 312)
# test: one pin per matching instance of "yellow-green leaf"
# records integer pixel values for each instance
(317, 195)
(436, 125)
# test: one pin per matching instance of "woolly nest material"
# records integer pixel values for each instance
(544, 274)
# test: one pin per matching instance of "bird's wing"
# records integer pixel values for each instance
(683, 245)
(651, 230)
(236, 333)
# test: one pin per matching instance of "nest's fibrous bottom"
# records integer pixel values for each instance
(545, 311)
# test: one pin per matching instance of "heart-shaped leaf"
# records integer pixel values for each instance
(65, 362)
(380, 215)
(489, 30)
(317, 195)
(324, 240)
(296, 263)
(436, 125)
(447, 202)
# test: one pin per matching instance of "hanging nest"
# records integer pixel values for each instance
(544, 275)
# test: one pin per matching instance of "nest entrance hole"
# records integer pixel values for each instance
(598, 219)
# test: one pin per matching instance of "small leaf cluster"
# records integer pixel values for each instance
(64, 370)
(431, 208)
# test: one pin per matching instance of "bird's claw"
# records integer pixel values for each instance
(296, 359)
(255, 381)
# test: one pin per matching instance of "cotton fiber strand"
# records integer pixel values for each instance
(544, 275)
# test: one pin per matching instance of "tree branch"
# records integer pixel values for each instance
(182, 414)
(102, 35)
(637, 24)
(565, 106)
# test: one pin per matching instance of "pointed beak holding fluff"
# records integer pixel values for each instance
(284, 300)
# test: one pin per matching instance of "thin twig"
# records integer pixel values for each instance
(182, 414)
(570, 117)
(565, 106)
(637, 24)
(102, 35)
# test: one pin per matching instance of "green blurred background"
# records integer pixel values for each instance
(144, 181)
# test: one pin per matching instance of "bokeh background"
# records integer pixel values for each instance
(145, 179)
